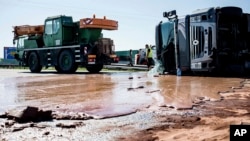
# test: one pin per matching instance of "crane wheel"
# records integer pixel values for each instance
(34, 63)
(66, 62)
(58, 69)
(94, 68)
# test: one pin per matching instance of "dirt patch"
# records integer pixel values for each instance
(209, 120)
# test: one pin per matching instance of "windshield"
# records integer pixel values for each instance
(167, 30)
(20, 42)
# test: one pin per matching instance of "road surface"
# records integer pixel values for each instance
(120, 103)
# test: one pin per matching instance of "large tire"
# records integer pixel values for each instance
(58, 69)
(34, 63)
(94, 68)
(75, 68)
(66, 62)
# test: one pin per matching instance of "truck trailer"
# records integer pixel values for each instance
(215, 39)
(64, 44)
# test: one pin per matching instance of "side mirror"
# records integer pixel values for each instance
(170, 15)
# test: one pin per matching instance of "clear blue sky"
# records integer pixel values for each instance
(137, 18)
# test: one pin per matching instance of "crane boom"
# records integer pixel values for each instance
(28, 30)
(99, 23)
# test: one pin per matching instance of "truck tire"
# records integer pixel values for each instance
(58, 69)
(66, 62)
(34, 63)
(94, 68)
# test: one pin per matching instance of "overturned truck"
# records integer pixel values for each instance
(208, 40)
(65, 44)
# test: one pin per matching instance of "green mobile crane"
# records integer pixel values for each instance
(64, 44)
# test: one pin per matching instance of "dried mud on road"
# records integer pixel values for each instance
(207, 121)
(122, 106)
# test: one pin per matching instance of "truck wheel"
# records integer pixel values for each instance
(66, 62)
(74, 69)
(34, 63)
(94, 68)
(58, 69)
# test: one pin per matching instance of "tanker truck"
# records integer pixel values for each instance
(212, 40)
(64, 44)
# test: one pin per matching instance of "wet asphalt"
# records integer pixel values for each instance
(107, 96)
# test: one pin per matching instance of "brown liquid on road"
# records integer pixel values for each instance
(108, 94)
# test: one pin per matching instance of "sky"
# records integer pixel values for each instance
(136, 18)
